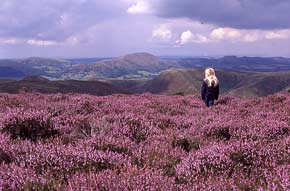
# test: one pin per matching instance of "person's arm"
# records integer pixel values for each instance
(203, 89)
(217, 92)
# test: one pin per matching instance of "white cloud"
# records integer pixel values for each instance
(42, 42)
(188, 37)
(225, 33)
(163, 32)
(10, 41)
(280, 34)
(248, 35)
(140, 7)
(232, 35)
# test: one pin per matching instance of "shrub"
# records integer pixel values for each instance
(30, 128)
(5, 158)
(86, 108)
(241, 158)
(169, 167)
(83, 127)
(277, 98)
(222, 133)
(179, 94)
(185, 144)
(113, 148)
(166, 123)
(224, 101)
(137, 132)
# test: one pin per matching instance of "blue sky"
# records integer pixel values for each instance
(102, 28)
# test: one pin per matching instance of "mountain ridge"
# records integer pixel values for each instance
(140, 65)
(188, 81)
(43, 85)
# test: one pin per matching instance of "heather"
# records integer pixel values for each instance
(143, 142)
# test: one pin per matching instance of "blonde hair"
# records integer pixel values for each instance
(210, 77)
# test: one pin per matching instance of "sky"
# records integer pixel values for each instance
(111, 28)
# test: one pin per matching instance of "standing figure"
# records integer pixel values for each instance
(210, 87)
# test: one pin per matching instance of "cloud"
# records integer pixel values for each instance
(232, 35)
(101, 27)
(163, 33)
(42, 42)
(225, 33)
(53, 20)
(243, 35)
(10, 41)
(181, 31)
(140, 7)
(33, 42)
(280, 34)
(240, 14)
(188, 37)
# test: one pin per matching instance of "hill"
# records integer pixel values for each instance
(129, 67)
(43, 85)
(34, 66)
(257, 64)
(169, 82)
(188, 81)
(136, 65)
(145, 65)
(262, 84)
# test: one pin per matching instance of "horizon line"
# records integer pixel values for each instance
(160, 56)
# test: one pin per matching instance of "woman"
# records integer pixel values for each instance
(210, 87)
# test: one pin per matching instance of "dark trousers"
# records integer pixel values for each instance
(209, 102)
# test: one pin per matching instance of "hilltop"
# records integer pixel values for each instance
(131, 64)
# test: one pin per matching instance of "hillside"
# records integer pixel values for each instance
(145, 65)
(72, 141)
(262, 84)
(43, 85)
(138, 64)
(257, 64)
(188, 81)
(34, 66)
(135, 66)
(170, 82)
(143, 72)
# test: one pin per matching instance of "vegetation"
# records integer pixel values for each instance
(143, 142)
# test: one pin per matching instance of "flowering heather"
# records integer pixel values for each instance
(143, 142)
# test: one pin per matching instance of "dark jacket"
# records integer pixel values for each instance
(209, 92)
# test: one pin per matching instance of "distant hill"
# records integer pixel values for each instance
(169, 82)
(10, 72)
(258, 64)
(141, 66)
(19, 68)
(147, 66)
(43, 85)
(262, 84)
(132, 64)
(188, 81)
